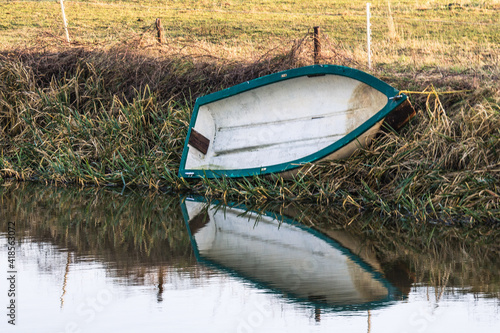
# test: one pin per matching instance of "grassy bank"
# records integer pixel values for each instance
(119, 117)
(115, 112)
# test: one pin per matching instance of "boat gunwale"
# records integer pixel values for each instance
(315, 70)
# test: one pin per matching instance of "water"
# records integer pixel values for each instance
(102, 260)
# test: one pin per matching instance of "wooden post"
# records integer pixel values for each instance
(159, 28)
(317, 45)
(64, 21)
(368, 35)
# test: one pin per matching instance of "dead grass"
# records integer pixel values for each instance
(118, 115)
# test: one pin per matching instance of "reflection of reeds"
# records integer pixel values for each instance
(65, 281)
(408, 253)
(442, 257)
(129, 232)
(142, 236)
(119, 117)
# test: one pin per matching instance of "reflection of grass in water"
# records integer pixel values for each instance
(409, 252)
(127, 230)
(138, 233)
(449, 259)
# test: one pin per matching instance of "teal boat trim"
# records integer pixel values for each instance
(315, 70)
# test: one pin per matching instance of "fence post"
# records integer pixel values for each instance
(317, 45)
(368, 35)
(64, 20)
(159, 28)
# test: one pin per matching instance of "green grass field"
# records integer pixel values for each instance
(112, 107)
(461, 33)
(255, 21)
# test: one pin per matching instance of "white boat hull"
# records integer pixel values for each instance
(283, 124)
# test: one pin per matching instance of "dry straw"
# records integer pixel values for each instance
(119, 117)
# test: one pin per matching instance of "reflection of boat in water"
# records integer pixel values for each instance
(279, 253)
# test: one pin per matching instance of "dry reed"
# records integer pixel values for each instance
(119, 116)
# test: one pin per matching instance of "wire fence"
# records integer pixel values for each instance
(463, 25)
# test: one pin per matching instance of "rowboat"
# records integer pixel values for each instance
(278, 123)
(280, 255)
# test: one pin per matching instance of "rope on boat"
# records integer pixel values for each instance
(432, 92)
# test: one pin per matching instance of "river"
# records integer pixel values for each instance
(101, 260)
